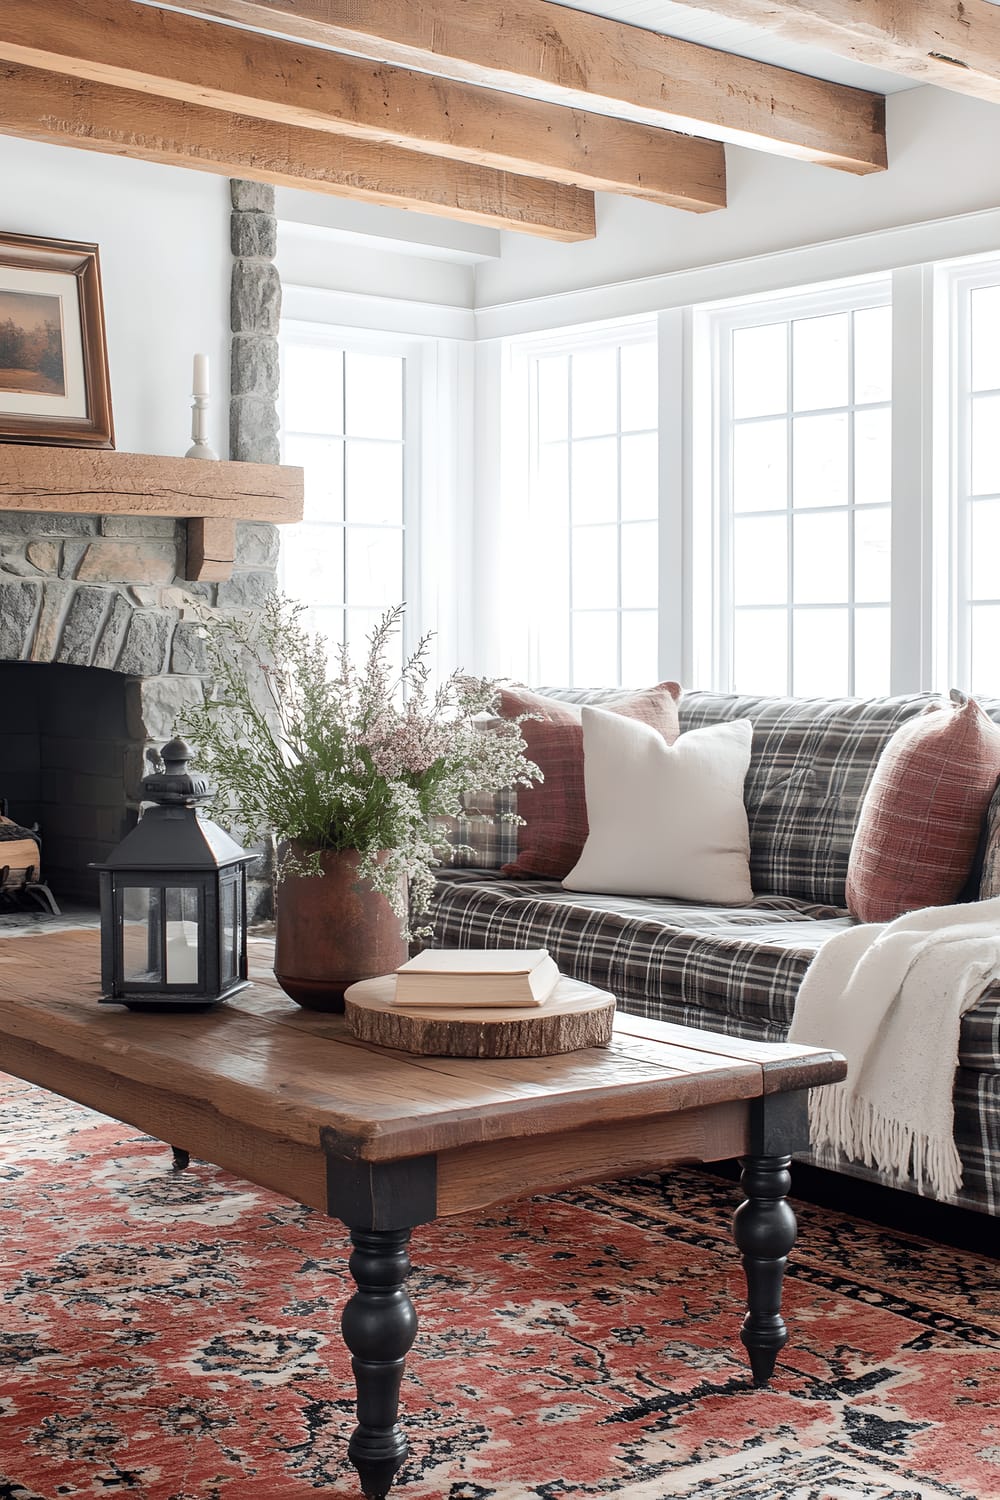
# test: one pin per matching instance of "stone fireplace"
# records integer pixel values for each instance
(100, 614)
(100, 653)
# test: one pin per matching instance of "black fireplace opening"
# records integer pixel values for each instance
(66, 759)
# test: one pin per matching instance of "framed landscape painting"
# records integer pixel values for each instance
(54, 385)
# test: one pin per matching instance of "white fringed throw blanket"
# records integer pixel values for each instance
(890, 996)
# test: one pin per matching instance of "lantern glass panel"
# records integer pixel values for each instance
(231, 897)
(182, 934)
(142, 956)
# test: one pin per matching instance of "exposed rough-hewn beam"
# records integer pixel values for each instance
(952, 43)
(571, 57)
(47, 106)
(200, 62)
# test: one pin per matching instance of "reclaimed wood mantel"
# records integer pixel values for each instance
(211, 496)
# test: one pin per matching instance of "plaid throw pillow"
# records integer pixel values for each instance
(920, 820)
(484, 836)
(554, 831)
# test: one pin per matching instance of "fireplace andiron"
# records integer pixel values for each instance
(20, 862)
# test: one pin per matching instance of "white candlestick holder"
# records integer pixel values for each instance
(200, 446)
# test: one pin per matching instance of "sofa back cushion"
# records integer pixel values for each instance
(810, 764)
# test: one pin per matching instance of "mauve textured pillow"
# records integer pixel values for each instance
(551, 839)
(919, 824)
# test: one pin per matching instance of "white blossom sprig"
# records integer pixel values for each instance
(347, 756)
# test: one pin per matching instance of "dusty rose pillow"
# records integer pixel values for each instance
(919, 824)
(554, 831)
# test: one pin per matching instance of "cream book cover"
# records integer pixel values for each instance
(477, 976)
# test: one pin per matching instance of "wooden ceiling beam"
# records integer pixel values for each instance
(44, 106)
(954, 44)
(200, 62)
(570, 57)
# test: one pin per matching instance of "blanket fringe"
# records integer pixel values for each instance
(842, 1122)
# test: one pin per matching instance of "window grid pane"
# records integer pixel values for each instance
(344, 414)
(799, 468)
(975, 517)
(594, 501)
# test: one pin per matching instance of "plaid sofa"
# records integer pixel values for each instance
(732, 970)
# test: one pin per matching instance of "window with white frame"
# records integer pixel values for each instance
(348, 421)
(975, 471)
(803, 493)
(594, 508)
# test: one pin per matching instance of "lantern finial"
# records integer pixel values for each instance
(175, 785)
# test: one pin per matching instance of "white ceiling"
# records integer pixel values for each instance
(748, 41)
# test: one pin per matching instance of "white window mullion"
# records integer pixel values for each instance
(961, 539)
(790, 510)
(675, 484)
(973, 489)
(912, 481)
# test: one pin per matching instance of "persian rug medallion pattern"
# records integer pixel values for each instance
(176, 1337)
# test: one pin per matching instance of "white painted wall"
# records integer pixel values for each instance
(944, 160)
(163, 234)
(313, 256)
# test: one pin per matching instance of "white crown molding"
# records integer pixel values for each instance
(753, 276)
(310, 304)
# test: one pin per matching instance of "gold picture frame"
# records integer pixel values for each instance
(54, 384)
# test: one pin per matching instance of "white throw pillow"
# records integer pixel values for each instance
(665, 820)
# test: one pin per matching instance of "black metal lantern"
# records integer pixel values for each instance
(173, 900)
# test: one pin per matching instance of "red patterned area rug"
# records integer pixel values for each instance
(175, 1336)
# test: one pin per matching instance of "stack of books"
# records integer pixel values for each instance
(462, 977)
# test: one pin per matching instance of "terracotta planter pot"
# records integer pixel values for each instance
(331, 930)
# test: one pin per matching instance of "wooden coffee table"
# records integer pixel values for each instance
(385, 1141)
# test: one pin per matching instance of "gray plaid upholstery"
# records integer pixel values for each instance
(734, 970)
(674, 960)
(485, 836)
(810, 765)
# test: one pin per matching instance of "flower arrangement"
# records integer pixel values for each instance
(344, 756)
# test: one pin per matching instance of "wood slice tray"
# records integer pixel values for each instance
(575, 1015)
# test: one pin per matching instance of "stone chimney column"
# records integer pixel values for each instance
(254, 317)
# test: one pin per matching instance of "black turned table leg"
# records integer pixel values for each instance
(181, 1159)
(381, 1203)
(764, 1231)
(379, 1325)
(764, 1225)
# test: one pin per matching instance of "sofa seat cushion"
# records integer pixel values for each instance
(734, 969)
